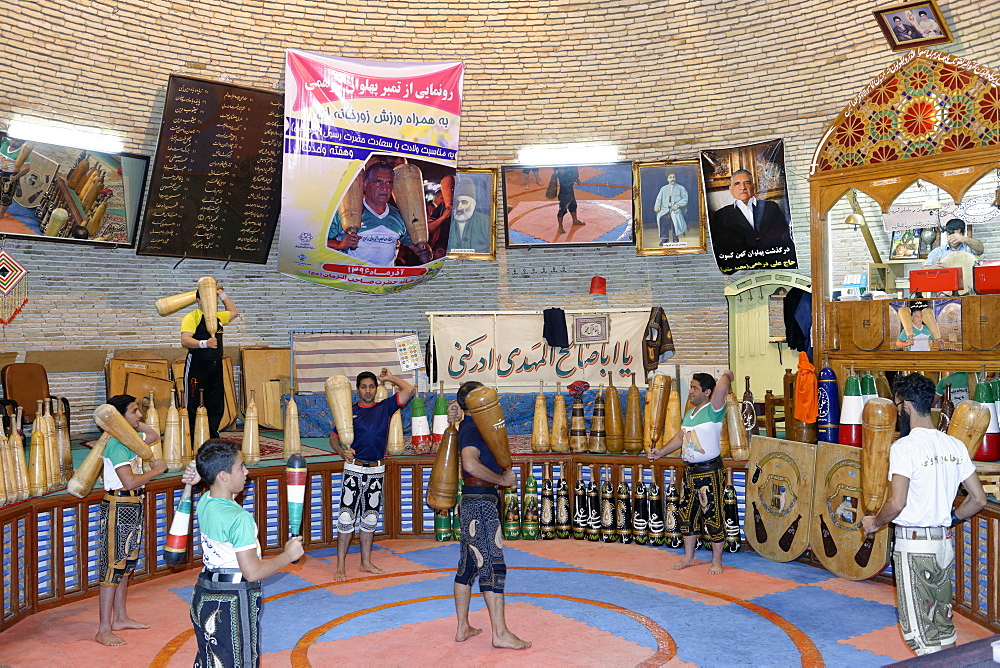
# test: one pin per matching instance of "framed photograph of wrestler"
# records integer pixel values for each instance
(567, 205)
(913, 24)
(922, 325)
(409, 189)
(473, 215)
(63, 193)
(669, 208)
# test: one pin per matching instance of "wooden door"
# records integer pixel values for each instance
(981, 322)
(866, 322)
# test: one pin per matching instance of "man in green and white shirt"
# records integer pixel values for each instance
(122, 521)
(700, 442)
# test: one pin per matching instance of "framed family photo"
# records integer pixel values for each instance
(567, 205)
(473, 215)
(669, 207)
(913, 24)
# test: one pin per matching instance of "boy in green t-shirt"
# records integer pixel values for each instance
(225, 606)
(121, 523)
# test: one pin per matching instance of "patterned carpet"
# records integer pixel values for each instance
(273, 448)
(579, 603)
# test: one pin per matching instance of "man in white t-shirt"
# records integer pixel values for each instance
(700, 441)
(926, 467)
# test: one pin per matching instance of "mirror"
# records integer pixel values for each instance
(67, 194)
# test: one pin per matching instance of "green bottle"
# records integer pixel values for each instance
(442, 525)
(420, 430)
(529, 518)
(868, 389)
(439, 422)
(511, 515)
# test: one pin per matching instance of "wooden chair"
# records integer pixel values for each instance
(25, 383)
(770, 418)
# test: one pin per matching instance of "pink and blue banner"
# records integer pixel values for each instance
(370, 150)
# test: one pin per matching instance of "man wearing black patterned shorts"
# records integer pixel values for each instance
(364, 467)
(481, 555)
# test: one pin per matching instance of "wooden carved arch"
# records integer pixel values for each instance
(929, 116)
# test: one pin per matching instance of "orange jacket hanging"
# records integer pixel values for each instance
(806, 390)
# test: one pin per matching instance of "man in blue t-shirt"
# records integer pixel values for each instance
(364, 467)
(482, 547)
(955, 241)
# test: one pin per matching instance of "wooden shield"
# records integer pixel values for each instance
(30, 187)
(836, 537)
(779, 493)
(119, 369)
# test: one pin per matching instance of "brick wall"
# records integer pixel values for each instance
(657, 79)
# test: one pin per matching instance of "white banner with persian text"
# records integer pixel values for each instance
(507, 350)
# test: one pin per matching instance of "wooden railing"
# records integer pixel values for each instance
(49, 544)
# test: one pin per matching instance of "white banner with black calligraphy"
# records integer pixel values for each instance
(507, 350)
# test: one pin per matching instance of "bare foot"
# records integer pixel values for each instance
(340, 576)
(128, 623)
(108, 638)
(371, 568)
(685, 563)
(510, 641)
(715, 568)
(562, 230)
(579, 222)
(464, 634)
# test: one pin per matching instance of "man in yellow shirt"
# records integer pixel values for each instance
(203, 366)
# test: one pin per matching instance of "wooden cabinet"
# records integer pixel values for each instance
(833, 325)
(867, 322)
(859, 336)
(981, 322)
(857, 326)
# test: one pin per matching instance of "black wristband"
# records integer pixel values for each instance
(955, 521)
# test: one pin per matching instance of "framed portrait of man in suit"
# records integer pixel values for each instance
(913, 24)
(471, 214)
(669, 208)
(748, 214)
